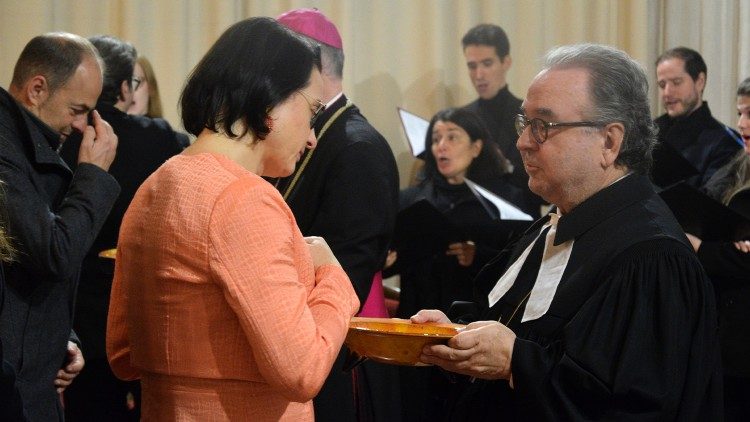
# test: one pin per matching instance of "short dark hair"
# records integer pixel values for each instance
(119, 57)
(618, 88)
(488, 34)
(489, 164)
(744, 88)
(694, 63)
(255, 65)
(56, 56)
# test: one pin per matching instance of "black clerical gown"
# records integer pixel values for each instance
(630, 334)
(703, 141)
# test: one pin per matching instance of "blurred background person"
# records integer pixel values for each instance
(219, 304)
(144, 144)
(486, 49)
(457, 146)
(728, 264)
(687, 126)
(146, 99)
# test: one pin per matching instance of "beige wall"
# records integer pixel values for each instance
(404, 52)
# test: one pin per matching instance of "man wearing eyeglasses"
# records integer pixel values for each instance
(487, 52)
(687, 127)
(144, 144)
(601, 311)
(346, 191)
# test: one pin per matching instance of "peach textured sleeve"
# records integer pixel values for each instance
(295, 329)
(118, 345)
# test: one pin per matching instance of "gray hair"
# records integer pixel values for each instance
(332, 60)
(744, 88)
(618, 87)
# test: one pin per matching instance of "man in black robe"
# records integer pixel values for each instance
(487, 52)
(601, 311)
(346, 191)
(687, 127)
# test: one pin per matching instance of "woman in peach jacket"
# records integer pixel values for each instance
(219, 305)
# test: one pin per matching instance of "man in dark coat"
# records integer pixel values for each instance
(487, 52)
(54, 214)
(143, 145)
(346, 190)
(601, 311)
(688, 128)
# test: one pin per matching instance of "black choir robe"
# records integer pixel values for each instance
(702, 140)
(631, 332)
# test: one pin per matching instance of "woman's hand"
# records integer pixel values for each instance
(320, 251)
(743, 246)
(429, 315)
(464, 252)
(390, 259)
(694, 240)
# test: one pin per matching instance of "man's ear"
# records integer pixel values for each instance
(35, 91)
(700, 82)
(506, 62)
(614, 134)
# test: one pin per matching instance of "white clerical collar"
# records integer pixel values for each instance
(553, 264)
(333, 100)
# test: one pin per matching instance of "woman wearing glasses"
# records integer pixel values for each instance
(146, 99)
(457, 147)
(728, 265)
(219, 304)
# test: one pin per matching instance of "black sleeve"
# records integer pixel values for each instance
(53, 242)
(359, 203)
(643, 347)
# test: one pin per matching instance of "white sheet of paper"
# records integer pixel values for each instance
(507, 210)
(415, 129)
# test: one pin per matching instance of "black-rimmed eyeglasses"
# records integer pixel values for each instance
(136, 82)
(319, 107)
(540, 127)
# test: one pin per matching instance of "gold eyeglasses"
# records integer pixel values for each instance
(317, 110)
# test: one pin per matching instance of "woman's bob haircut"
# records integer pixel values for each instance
(255, 65)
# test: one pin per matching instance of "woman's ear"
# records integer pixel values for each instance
(476, 148)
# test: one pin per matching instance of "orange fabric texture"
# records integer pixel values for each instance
(215, 302)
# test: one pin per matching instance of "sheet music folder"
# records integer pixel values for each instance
(703, 216)
(415, 129)
(422, 231)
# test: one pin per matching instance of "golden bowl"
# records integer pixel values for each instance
(394, 340)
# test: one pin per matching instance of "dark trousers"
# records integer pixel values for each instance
(736, 399)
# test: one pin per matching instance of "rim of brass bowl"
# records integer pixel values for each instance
(108, 253)
(446, 330)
